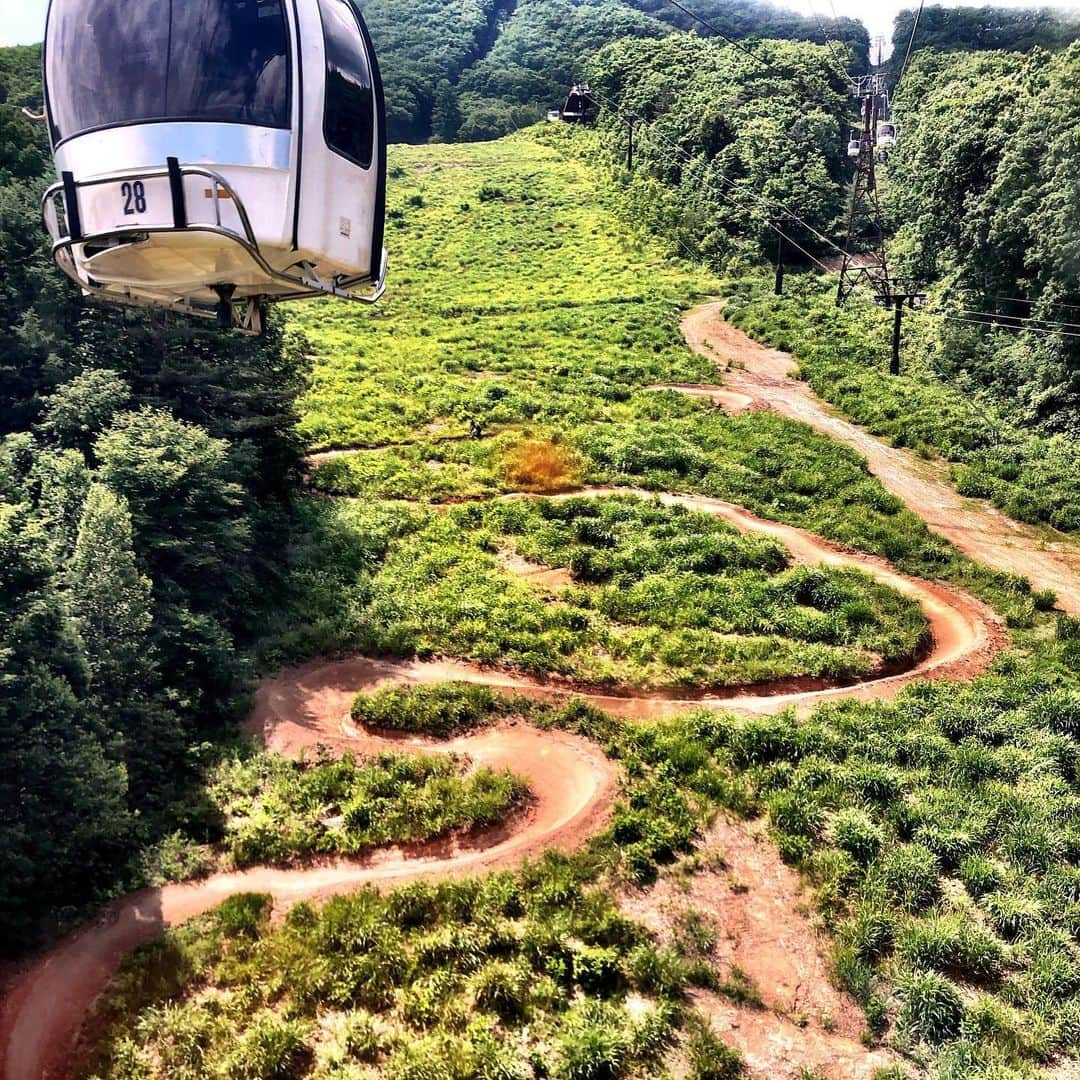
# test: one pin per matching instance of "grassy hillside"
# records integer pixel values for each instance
(940, 832)
(517, 350)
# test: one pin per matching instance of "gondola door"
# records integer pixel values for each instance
(342, 167)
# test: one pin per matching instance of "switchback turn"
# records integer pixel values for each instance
(757, 377)
(572, 785)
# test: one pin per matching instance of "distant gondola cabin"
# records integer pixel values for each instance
(579, 107)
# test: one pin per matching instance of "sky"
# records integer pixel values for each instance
(21, 21)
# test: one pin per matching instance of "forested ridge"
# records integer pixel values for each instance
(477, 69)
(146, 471)
(986, 28)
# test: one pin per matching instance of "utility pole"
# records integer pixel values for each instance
(778, 288)
(629, 144)
(898, 319)
(902, 294)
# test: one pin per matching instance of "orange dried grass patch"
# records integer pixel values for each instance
(542, 466)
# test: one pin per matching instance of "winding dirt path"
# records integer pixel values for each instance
(759, 377)
(572, 784)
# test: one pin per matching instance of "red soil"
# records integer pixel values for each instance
(764, 376)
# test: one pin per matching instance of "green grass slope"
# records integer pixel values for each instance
(941, 832)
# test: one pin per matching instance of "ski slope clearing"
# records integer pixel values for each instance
(572, 784)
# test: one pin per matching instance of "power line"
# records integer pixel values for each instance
(1018, 318)
(1033, 303)
(842, 69)
(730, 197)
(1009, 326)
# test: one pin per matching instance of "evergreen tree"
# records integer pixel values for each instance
(64, 820)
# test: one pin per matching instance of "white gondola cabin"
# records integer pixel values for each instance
(888, 134)
(854, 146)
(216, 155)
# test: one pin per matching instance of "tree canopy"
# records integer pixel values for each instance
(983, 28)
(146, 466)
(983, 193)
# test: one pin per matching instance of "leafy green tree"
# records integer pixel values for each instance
(77, 412)
(112, 605)
(983, 28)
(187, 510)
(982, 194)
(727, 145)
(109, 598)
(63, 814)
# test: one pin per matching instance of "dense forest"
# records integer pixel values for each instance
(476, 70)
(982, 196)
(979, 196)
(146, 467)
(724, 142)
(982, 28)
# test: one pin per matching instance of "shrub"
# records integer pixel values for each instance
(873, 932)
(593, 1043)
(910, 876)
(359, 1038)
(712, 1059)
(597, 970)
(244, 914)
(796, 812)
(1059, 710)
(653, 1032)
(952, 944)
(1012, 914)
(442, 710)
(542, 466)
(657, 972)
(271, 1049)
(932, 1009)
(854, 831)
(980, 875)
(503, 988)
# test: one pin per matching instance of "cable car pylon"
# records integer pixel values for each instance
(871, 266)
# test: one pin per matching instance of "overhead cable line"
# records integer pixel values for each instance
(720, 34)
(1033, 303)
(989, 324)
(911, 45)
(829, 42)
(627, 114)
(1019, 318)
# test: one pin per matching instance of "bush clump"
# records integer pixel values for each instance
(932, 1009)
(441, 710)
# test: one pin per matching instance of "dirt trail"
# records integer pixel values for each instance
(572, 783)
(753, 905)
(761, 378)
